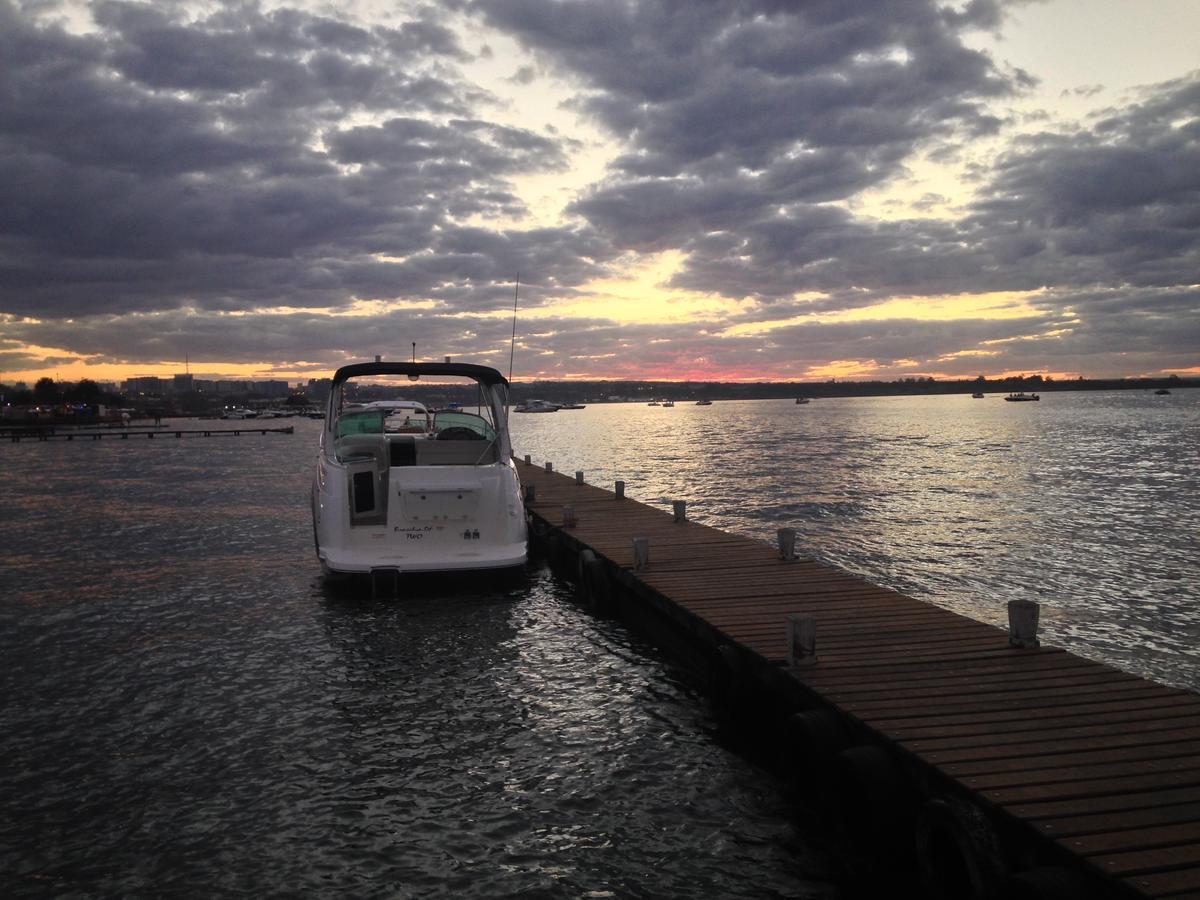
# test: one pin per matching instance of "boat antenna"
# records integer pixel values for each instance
(513, 346)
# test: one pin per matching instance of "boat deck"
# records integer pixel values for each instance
(1101, 762)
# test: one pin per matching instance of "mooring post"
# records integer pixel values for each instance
(530, 493)
(568, 514)
(528, 459)
(787, 543)
(549, 467)
(578, 477)
(802, 640)
(620, 490)
(680, 510)
(641, 553)
(1023, 623)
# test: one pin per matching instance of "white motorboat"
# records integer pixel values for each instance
(238, 412)
(401, 489)
(536, 406)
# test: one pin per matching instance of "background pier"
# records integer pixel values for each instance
(16, 435)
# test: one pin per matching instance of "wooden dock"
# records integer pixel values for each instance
(17, 435)
(1093, 770)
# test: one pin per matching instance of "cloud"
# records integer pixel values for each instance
(710, 87)
(223, 162)
(170, 179)
(742, 121)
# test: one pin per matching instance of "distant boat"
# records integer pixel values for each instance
(704, 403)
(668, 403)
(801, 399)
(238, 412)
(573, 406)
(654, 403)
(1162, 391)
(978, 395)
(1021, 396)
(537, 406)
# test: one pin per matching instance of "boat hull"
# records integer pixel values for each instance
(434, 494)
(433, 519)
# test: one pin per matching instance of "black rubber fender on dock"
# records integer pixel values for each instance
(869, 794)
(958, 853)
(1050, 883)
(594, 584)
(865, 801)
(725, 679)
(812, 737)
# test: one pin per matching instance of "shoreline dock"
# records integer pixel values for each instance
(16, 436)
(994, 770)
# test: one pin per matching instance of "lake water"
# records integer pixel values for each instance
(1088, 502)
(187, 709)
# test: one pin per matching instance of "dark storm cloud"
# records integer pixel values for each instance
(166, 166)
(1108, 218)
(1116, 204)
(276, 340)
(716, 88)
(744, 119)
(160, 161)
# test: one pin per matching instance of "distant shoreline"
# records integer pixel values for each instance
(602, 391)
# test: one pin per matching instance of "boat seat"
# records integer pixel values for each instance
(402, 450)
(358, 446)
(456, 453)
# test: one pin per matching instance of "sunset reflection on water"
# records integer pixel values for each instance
(1086, 502)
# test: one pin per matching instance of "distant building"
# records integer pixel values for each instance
(183, 384)
(271, 388)
(148, 385)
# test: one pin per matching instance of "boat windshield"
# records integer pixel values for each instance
(361, 421)
(479, 426)
(407, 421)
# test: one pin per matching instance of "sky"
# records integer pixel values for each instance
(713, 190)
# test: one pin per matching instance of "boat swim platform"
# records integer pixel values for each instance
(1039, 767)
(16, 436)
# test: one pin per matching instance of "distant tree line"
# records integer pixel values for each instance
(48, 392)
(594, 391)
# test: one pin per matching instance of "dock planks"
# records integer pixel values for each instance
(1104, 763)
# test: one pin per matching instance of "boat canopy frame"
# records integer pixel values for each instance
(495, 383)
(483, 374)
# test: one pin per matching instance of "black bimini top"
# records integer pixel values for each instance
(482, 374)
